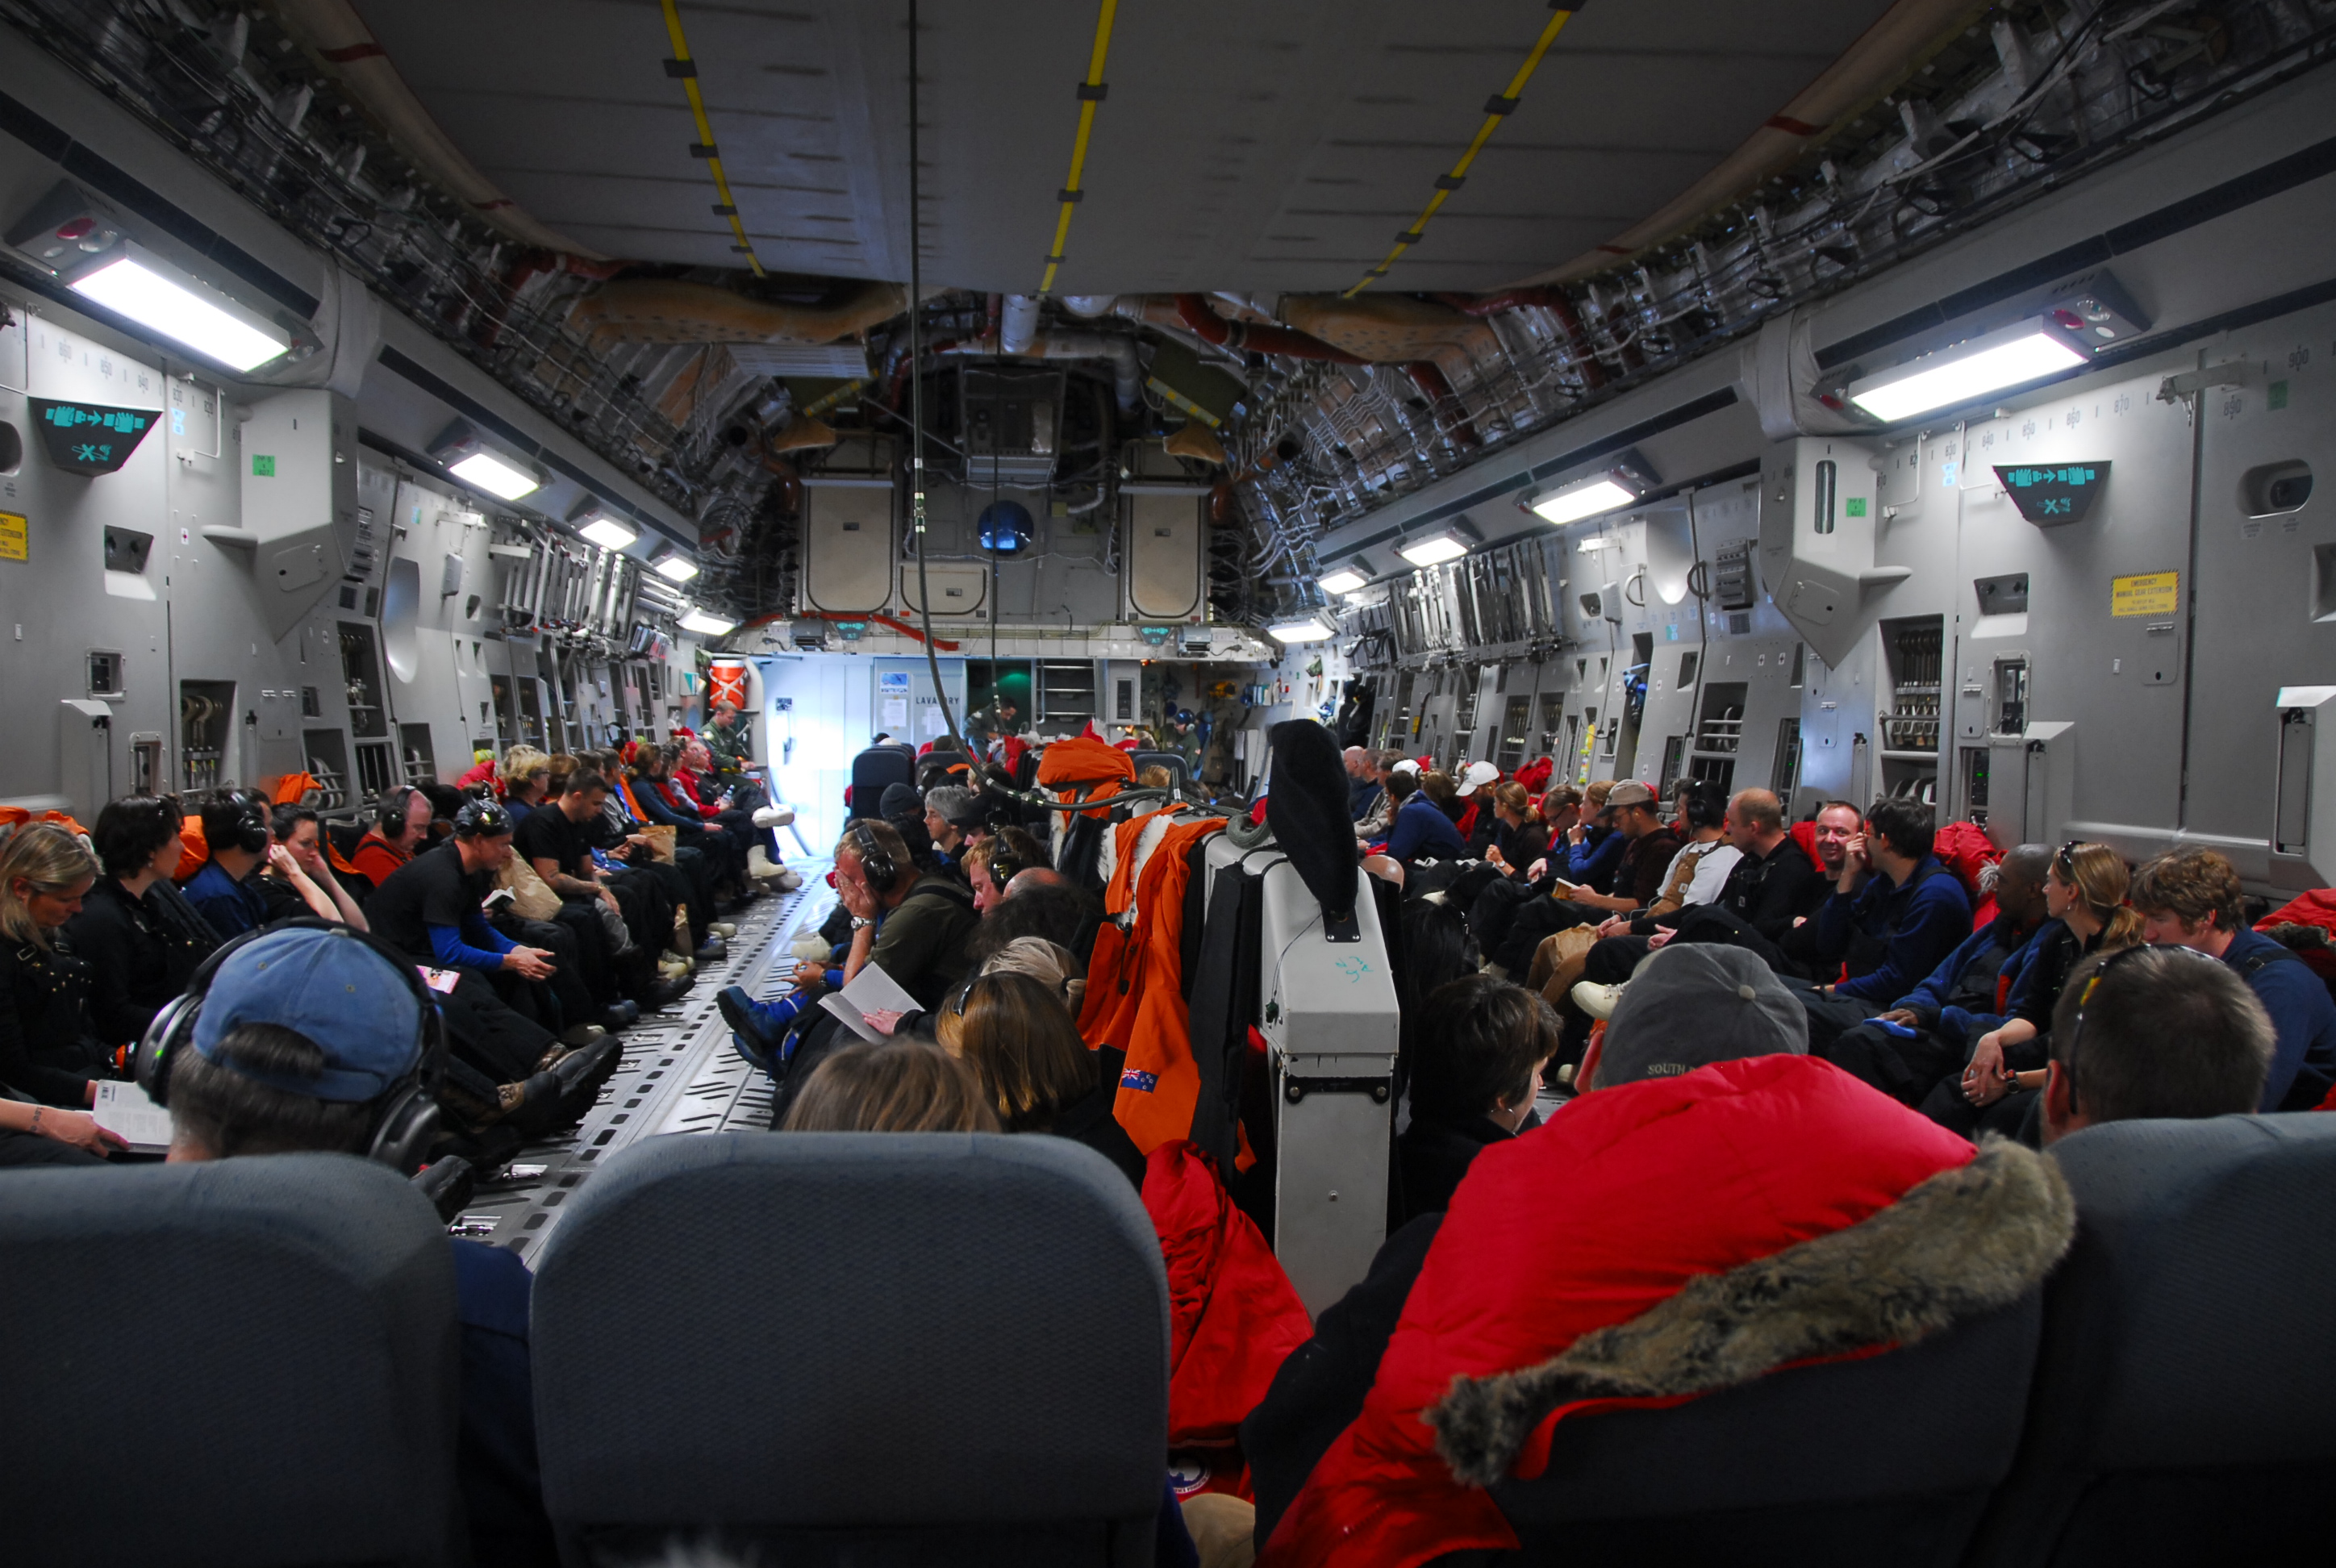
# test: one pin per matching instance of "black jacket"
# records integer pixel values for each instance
(141, 952)
(1768, 894)
(1433, 1156)
(1090, 1121)
(48, 1047)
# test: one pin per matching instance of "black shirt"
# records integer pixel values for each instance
(430, 890)
(47, 1046)
(141, 952)
(549, 835)
(1767, 893)
(1432, 1156)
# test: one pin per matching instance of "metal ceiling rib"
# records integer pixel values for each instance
(1260, 148)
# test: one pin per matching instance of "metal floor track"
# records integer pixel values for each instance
(679, 1074)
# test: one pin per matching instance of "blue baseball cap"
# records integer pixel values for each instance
(334, 989)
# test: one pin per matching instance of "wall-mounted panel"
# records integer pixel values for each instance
(847, 542)
(1167, 535)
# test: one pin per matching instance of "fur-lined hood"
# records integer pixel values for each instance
(1965, 1241)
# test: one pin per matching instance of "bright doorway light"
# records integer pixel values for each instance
(606, 532)
(2011, 357)
(160, 298)
(1306, 630)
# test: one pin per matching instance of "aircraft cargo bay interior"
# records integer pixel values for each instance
(1077, 783)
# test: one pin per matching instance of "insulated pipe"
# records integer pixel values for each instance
(1089, 306)
(672, 310)
(1558, 303)
(1249, 337)
(1020, 325)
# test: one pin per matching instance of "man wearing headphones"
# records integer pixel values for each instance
(308, 1039)
(235, 829)
(401, 827)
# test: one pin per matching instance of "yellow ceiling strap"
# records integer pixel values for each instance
(685, 68)
(1496, 110)
(1091, 92)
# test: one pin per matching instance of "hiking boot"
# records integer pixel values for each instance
(1595, 1000)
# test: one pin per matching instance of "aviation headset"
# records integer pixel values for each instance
(389, 811)
(250, 834)
(876, 865)
(405, 1121)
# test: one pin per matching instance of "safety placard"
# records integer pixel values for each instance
(11, 537)
(2151, 593)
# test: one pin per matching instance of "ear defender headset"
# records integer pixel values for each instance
(874, 864)
(405, 1121)
(389, 813)
(251, 834)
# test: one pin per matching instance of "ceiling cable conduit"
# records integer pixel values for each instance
(1091, 92)
(674, 310)
(332, 31)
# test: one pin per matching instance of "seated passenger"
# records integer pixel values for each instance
(619, 945)
(234, 829)
(1593, 850)
(2084, 892)
(1648, 848)
(1420, 829)
(1707, 1145)
(48, 1047)
(296, 882)
(524, 775)
(1018, 1036)
(1362, 783)
(1926, 1035)
(2192, 898)
(140, 937)
(901, 1086)
(2153, 1032)
(950, 809)
(1895, 913)
(247, 1082)
(906, 813)
(1473, 1076)
(1703, 875)
(401, 828)
(1519, 839)
(1378, 816)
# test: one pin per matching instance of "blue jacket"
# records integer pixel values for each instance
(1912, 926)
(1933, 999)
(229, 907)
(1421, 828)
(1362, 795)
(2300, 1011)
(1593, 862)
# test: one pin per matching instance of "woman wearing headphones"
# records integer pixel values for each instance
(2084, 890)
(48, 1048)
(140, 937)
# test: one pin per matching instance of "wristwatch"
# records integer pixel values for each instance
(862, 923)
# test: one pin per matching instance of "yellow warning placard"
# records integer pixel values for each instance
(11, 537)
(2151, 593)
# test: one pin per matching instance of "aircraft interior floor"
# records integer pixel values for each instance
(679, 1074)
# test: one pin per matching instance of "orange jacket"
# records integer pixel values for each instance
(1161, 1084)
(1073, 764)
(1108, 1015)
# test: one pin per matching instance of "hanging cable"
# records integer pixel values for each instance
(917, 402)
(1496, 110)
(685, 68)
(1091, 92)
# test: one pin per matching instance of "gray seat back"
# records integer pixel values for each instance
(2185, 1407)
(855, 1347)
(252, 1362)
(1173, 761)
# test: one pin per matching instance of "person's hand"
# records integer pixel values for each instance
(1619, 926)
(883, 1020)
(810, 977)
(712, 827)
(1537, 870)
(78, 1128)
(1903, 1017)
(1985, 1080)
(1662, 935)
(530, 963)
(1493, 857)
(856, 897)
(284, 863)
(609, 899)
(639, 842)
(1573, 833)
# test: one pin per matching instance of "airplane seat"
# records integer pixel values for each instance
(867, 1347)
(875, 769)
(254, 1360)
(2184, 1408)
(1887, 1459)
(1173, 761)
(345, 836)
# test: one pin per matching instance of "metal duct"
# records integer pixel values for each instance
(1126, 369)
(1089, 306)
(1196, 313)
(1020, 325)
(669, 310)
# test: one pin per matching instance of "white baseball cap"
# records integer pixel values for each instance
(1478, 776)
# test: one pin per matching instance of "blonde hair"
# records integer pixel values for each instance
(1155, 777)
(901, 1086)
(1595, 801)
(1514, 796)
(2100, 878)
(52, 860)
(523, 763)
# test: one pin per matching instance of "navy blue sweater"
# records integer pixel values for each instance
(1914, 926)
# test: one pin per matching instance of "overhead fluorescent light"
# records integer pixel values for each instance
(1583, 497)
(1345, 579)
(495, 476)
(606, 532)
(1596, 542)
(705, 625)
(1993, 361)
(158, 296)
(678, 567)
(1287, 632)
(1434, 549)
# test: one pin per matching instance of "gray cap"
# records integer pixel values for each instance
(1690, 1005)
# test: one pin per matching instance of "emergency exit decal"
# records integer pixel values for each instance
(2151, 593)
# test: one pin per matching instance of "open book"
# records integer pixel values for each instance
(125, 1110)
(872, 990)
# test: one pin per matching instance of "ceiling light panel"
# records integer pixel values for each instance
(608, 534)
(1995, 362)
(1289, 631)
(1345, 579)
(1433, 551)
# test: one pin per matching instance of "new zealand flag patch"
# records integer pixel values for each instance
(1141, 1082)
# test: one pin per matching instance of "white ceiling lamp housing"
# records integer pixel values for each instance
(468, 458)
(1585, 498)
(1345, 579)
(606, 532)
(676, 568)
(1968, 371)
(1450, 542)
(707, 625)
(1289, 631)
